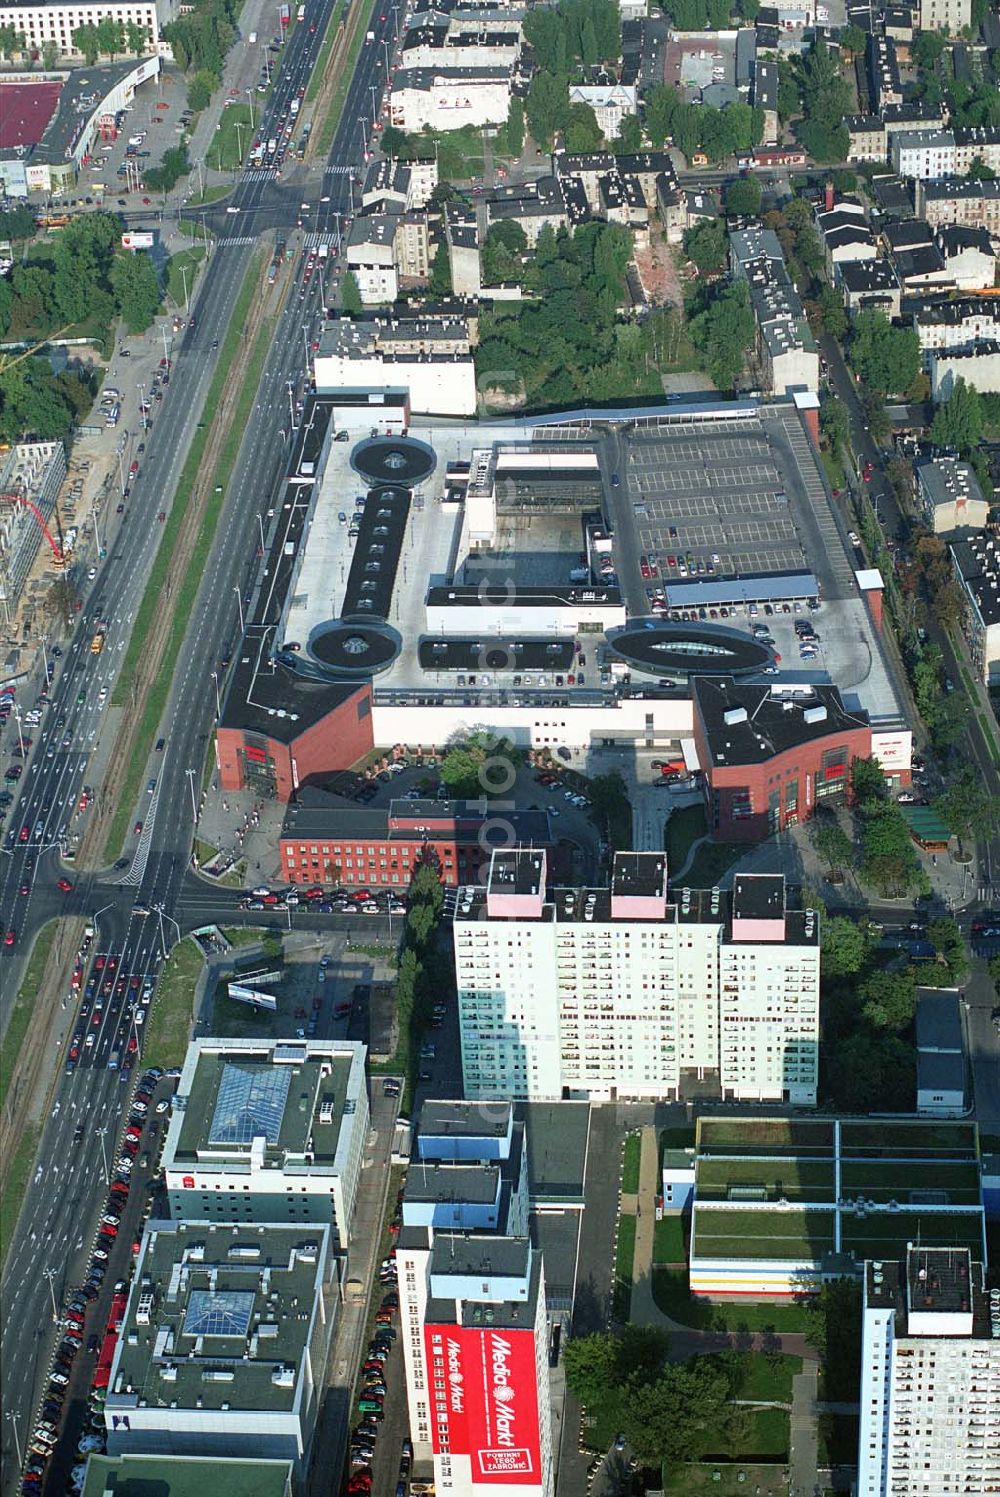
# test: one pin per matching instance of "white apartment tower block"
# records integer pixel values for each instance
(930, 1377)
(635, 990)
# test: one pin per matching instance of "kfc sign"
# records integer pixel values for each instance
(484, 1400)
(187, 1182)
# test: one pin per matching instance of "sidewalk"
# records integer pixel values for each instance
(803, 1455)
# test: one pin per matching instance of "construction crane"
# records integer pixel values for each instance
(56, 547)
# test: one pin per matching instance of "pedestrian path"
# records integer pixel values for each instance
(259, 174)
(236, 241)
(803, 1455)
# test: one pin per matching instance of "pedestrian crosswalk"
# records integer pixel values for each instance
(337, 171)
(259, 174)
(313, 241)
(237, 241)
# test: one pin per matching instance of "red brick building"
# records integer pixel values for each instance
(274, 751)
(327, 839)
(770, 757)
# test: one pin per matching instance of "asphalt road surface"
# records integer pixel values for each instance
(57, 1225)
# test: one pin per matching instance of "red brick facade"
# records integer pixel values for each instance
(747, 802)
(337, 741)
(376, 862)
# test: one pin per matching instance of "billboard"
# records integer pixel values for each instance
(253, 996)
(135, 241)
(484, 1400)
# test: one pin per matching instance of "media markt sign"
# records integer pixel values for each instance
(509, 1442)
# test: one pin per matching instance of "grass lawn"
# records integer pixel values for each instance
(190, 226)
(833, 469)
(204, 851)
(630, 1164)
(15, 1184)
(232, 139)
(885, 1236)
(766, 1480)
(183, 269)
(624, 1260)
(672, 1295)
(210, 195)
(909, 1140)
(770, 1378)
(766, 1437)
(20, 1019)
(241, 935)
(668, 1240)
(838, 1439)
(793, 1136)
(599, 1428)
(459, 152)
(185, 594)
(710, 861)
(168, 1028)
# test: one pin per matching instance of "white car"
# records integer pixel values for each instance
(140, 1018)
(232, 209)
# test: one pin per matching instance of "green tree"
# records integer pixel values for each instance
(868, 787)
(582, 131)
(174, 165)
(502, 249)
(844, 947)
(888, 1000)
(137, 294)
(705, 244)
(547, 106)
(676, 1417)
(591, 1367)
(967, 808)
(136, 38)
(85, 41)
(440, 278)
(742, 197)
(789, 90)
(350, 295)
(871, 1072)
(958, 421)
(834, 1331)
(927, 48)
(515, 127)
(725, 332)
(425, 888)
(832, 844)
(629, 137)
(885, 356)
(12, 42)
(200, 89)
(393, 142)
(852, 40)
(611, 809)
(831, 310)
(479, 765)
(834, 423)
(17, 223)
(661, 104)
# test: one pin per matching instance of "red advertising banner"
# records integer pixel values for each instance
(484, 1400)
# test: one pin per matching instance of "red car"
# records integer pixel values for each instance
(24, 834)
(64, 886)
(134, 468)
(98, 963)
(10, 937)
(137, 829)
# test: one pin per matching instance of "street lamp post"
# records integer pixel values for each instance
(385, 49)
(395, 21)
(102, 1134)
(142, 401)
(194, 804)
(291, 403)
(20, 735)
(184, 281)
(372, 90)
(363, 125)
(260, 522)
(218, 703)
(9, 1414)
(239, 601)
(249, 94)
(97, 533)
(45, 661)
(163, 331)
(121, 473)
(50, 1274)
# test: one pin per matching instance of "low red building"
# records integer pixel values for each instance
(327, 839)
(274, 750)
(770, 755)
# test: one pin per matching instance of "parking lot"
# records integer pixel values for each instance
(155, 114)
(712, 506)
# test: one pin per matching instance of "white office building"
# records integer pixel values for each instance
(430, 357)
(53, 25)
(268, 1130)
(930, 1377)
(635, 991)
(473, 1320)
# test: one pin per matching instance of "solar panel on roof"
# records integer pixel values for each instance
(220, 1312)
(250, 1104)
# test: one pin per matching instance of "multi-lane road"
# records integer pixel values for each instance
(56, 1228)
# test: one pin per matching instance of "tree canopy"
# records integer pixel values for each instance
(479, 765)
(724, 331)
(958, 421)
(885, 356)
